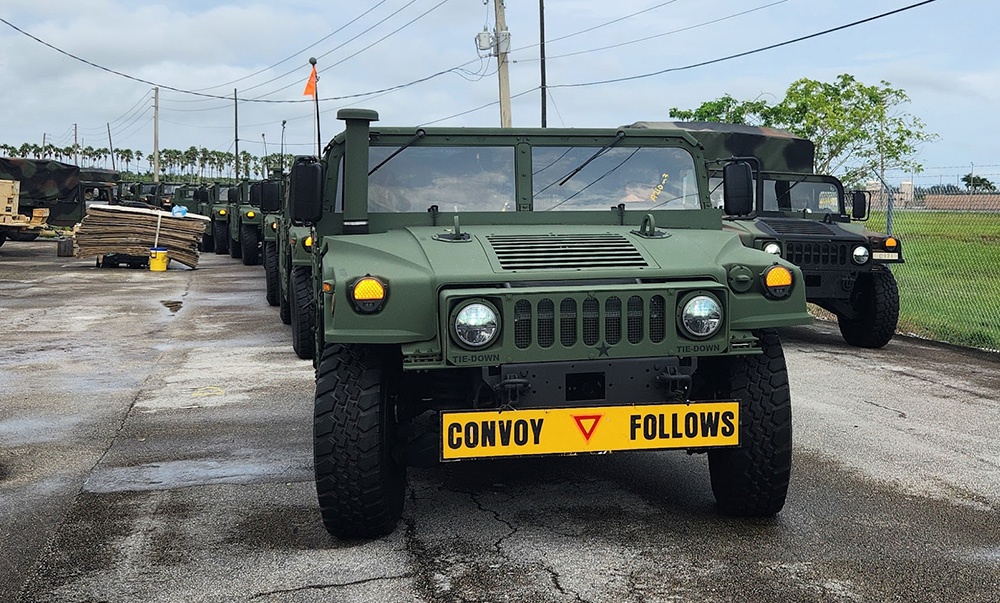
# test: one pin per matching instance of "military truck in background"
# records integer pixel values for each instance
(220, 219)
(239, 202)
(811, 221)
(271, 204)
(296, 305)
(205, 197)
(49, 193)
(509, 292)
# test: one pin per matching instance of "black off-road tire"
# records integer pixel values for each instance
(876, 300)
(23, 237)
(303, 310)
(284, 305)
(220, 232)
(752, 480)
(207, 240)
(235, 249)
(272, 286)
(250, 241)
(3, 238)
(361, 486)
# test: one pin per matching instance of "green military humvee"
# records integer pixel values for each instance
(271, 207)
(513, 292)
(295, 279)
(220, 219)
(807, 219)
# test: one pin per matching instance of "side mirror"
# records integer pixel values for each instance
(270, 197)
(859, 205)
(737, 189)
(305, 190)
(255, 193)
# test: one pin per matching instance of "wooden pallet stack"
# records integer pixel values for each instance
(115, 229)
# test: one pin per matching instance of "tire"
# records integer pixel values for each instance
(752, 480)
(207, 241)
(303, 312)
(250, 243)
(360, 485)
(284, 307)
(875, 299)
(23, 237)
(272, 286)
(235, 249)
(220, 233)
(3, 238)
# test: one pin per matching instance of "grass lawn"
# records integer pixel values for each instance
(949, 287)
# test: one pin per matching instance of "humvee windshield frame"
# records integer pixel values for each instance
(803, 195)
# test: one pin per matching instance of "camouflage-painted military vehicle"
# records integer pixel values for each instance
(809, 220)
(49, 194)
(220, 219)
(295, 278)
(271, 204)
(511, 292)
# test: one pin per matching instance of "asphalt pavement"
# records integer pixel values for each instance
(155, 445)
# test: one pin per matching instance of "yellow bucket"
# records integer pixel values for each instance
(158, 259)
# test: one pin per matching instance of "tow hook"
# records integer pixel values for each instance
(510, 388)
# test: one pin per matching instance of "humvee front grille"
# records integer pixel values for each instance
(817, 254)
(565, 252)
(644, 320)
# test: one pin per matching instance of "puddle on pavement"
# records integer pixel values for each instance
(167, 475)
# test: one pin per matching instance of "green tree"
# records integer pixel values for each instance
(859, 130)
(977, 184)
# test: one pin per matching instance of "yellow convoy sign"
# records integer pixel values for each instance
(482, 434)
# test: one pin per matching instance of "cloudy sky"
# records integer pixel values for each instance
(416, 62)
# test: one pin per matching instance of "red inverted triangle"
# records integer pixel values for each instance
(587, 431)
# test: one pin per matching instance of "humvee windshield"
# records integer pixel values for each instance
(482, 179)
(791, 195)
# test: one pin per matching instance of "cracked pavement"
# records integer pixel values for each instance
(155, 445)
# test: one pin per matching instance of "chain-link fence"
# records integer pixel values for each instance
(949, 287)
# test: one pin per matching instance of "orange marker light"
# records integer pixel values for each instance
(779, 276)
(369, 289)
(891, 243)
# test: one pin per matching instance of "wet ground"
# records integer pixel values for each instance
(155, 445)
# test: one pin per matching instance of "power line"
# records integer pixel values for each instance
(742, 54)
(285, 60)
(646, 38)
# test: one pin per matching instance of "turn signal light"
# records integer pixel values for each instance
(368, 294)
(777, 281)
(891, 243)
(251, 214)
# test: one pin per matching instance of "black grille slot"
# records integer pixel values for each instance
(565, 252)
(817, 254)
(522, 323)
(635, 316)
(591, 321)
(567, 322)
(546, 323)
(613, 320)
(657, 319)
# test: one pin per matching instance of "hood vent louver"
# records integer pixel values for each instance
(797, 227)
(565, 252)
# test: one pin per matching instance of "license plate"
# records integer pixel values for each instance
(885, 255)
(499, 433)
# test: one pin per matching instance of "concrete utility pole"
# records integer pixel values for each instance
(111, 148)
(502, 48)
(236, 133)
(76, 147)
(156, 134)
(541, 54)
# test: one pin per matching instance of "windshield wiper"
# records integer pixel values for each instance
(618, 138)
(420, 134)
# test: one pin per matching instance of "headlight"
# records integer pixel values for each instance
(701, 316)
(476, 325)
(368, 294)
(274, 226)
(777, 281)
(773, 248)
(860, 255)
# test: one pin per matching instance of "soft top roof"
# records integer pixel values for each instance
(41, 178)
(777, 150)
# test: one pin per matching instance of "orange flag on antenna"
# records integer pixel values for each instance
(311, 84)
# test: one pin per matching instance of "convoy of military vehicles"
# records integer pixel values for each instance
(475, 293)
